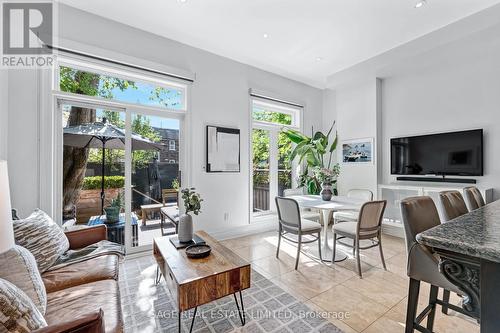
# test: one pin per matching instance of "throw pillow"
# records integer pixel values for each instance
(42, 237)
(18, 314)
(18, 266)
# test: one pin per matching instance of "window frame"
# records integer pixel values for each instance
(294, 112)
(170, 142)
(59, 97)
(96, 67)
(274, 129)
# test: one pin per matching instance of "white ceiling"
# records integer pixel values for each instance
(340, 32)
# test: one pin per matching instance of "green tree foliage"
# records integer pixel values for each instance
(91, 84)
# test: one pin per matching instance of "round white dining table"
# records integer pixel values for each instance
(327, 208)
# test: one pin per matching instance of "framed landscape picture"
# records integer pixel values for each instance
(359, 151)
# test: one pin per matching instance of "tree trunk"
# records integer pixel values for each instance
(75, 163)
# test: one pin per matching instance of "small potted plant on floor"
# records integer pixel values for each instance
(114, 209)
(192, 204)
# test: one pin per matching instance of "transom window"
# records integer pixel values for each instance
(274, 113)
(129, 89)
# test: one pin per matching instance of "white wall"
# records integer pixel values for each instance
(23, 149)
(356, 107)
(451, 86)
(454, 87)
(219, 96)
(4, 107)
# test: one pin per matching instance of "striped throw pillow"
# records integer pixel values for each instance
(18, 314)
(42, 237)
(19, 267)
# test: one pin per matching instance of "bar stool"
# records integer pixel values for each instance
(453, 204)
(420, 214)
(474, 197)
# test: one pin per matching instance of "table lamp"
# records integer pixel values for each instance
(6, 229)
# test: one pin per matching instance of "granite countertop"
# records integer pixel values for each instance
(476, 234)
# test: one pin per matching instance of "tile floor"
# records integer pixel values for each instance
(376, 303)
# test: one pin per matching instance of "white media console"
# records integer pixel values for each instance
(395, 192)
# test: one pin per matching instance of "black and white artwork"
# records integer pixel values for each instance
(223, 149)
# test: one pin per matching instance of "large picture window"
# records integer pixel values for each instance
(272, 170)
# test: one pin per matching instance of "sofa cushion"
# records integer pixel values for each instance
(96, 269)
(18, 313)
(18, 266)
(93, 322)
(70, 303)
(42, 237)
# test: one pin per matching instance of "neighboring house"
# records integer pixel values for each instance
(170, 140)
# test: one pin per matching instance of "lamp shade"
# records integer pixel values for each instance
(6, 229)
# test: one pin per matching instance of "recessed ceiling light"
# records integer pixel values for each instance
(319, 59)
(265, 35)
(182, 1)
(420, 3)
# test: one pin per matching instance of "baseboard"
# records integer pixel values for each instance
(245, 230)
(393, 230)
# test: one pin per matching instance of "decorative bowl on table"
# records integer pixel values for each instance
(197, 251)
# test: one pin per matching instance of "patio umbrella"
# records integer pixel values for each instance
(106, 136)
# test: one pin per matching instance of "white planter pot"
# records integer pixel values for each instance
(185, 228)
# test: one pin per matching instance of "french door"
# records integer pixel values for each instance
(272, 171)
(147, 176)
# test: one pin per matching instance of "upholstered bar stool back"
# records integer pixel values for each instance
(453, 204)
(420, 214)
(474, 197)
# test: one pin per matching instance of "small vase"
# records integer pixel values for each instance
(326, 192)
(185, 229)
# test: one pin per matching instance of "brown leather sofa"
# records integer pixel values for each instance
(84, 297)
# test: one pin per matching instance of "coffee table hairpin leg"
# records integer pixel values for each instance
(241, 313)
(158, 275)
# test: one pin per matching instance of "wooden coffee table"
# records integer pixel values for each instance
(194, 282)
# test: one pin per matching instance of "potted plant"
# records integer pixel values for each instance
(114, 209)
(328, 180)
(316, 152)
(192, 204)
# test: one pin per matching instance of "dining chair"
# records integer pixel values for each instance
(290, 222)
(352, 215)
(420, 214)
(453, 204)
(474, 197)
(368, 226)
(306, 213)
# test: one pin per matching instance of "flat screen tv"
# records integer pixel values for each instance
(454, 153)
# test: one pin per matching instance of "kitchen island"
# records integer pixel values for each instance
(469, 250)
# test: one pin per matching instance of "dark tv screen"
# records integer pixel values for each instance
(455, 153)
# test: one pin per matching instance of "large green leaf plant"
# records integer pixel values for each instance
(315, 152)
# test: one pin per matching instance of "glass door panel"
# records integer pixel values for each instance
(155, 177)
(93, 169)
(284, 163)
(261, 167)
